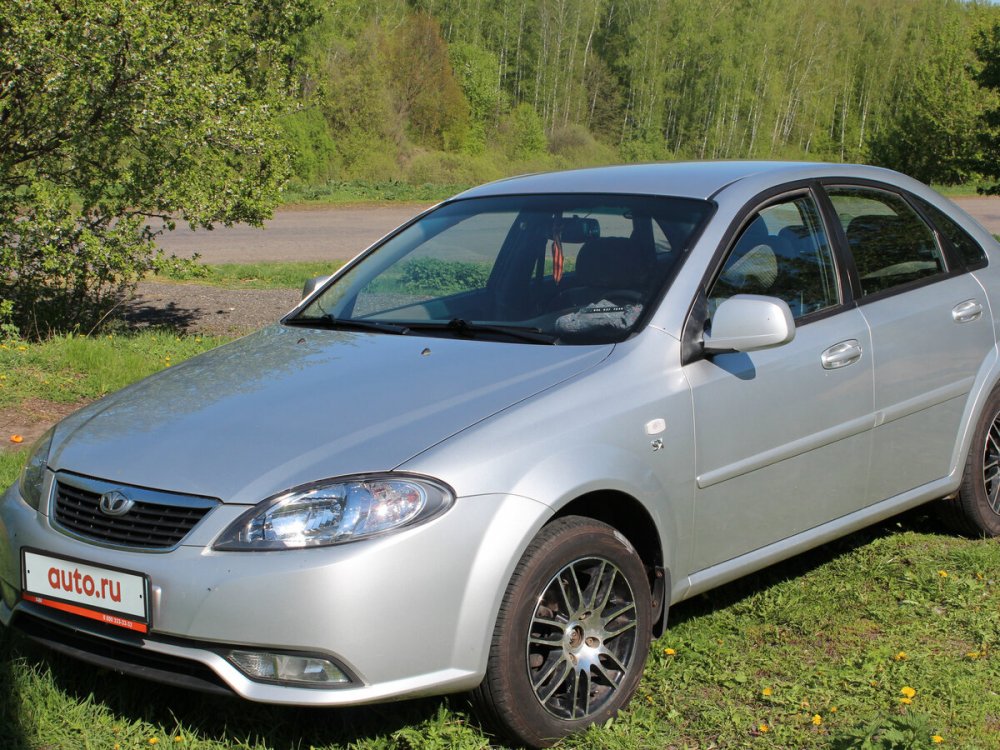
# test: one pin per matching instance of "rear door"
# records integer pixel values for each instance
(930, 329)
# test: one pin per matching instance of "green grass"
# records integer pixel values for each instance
(10, 467)
(353, 192)
(271, 275)
(837, 634)
(66, 369)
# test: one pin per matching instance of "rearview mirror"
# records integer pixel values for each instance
(313, 284)
(748, 322)
(577, 229)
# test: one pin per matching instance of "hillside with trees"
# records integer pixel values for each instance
(459, 91)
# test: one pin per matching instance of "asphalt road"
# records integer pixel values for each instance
(293, 234)
(341, 233)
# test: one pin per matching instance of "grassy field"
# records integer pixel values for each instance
(339, 193)
(285, 275)
(886, 639)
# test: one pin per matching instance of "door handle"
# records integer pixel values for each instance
(841, 355)
(966, 312)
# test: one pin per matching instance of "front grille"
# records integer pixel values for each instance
(156, 520)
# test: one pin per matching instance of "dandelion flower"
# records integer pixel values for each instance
(906, 701)
(908, 691)
(767, 692)
(972, 655)
(937, 739)
(154, 740)
(833, 709)
(901, 656)
(178, 738)
(669, 651)
(817, 720)
(943, 573)
(763, 729)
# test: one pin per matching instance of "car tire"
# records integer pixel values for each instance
(975, 510)
(571, 637)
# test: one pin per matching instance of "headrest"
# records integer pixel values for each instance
(611, 262)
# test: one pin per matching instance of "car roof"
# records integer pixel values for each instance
(701, 179)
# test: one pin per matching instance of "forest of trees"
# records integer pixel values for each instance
(460, 91)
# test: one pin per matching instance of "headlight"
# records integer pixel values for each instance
(337, 511)
(30, 483)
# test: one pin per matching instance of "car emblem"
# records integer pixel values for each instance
(115, 503)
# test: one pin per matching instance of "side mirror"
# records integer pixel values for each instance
(313, 284)
(748, 322)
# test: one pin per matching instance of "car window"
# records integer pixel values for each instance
(890, 243)
(576, 269)
(970, 251)
(782, 252)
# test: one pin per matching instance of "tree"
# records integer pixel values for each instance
(933, 134)
(427, 95)
(113, 112)
(988, 51)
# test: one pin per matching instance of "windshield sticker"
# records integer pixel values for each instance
(603, 314)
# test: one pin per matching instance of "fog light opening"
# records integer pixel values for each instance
(265, 666)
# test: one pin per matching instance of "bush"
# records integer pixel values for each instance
(521, 134)
(314, 154)
(439, 168)
(60, 271)
(579, 148)
(439, 277)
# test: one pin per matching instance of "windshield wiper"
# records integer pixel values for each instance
(465, 328)
(350, 324)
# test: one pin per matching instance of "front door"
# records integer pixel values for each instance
(776, 428)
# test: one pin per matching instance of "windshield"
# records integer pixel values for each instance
(568, 269)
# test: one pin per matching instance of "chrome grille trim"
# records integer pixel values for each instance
(158, 521)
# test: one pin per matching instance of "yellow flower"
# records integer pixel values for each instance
(763, 729)
(908, 691)
(153, 740)
(833, 709)
(178, 738)
(817, 720)
(906, 701)
(943, 573)
(669, 651)
(767, 692)
(937, 739)
(901, 656)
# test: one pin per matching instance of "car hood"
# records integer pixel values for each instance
(287, 406)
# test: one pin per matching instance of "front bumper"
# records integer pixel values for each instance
(408, 614)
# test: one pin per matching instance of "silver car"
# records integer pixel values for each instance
(491, 451)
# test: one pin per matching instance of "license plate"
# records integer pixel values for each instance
(109, 595)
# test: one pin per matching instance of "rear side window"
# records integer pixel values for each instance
(890, 243)
(970, 251)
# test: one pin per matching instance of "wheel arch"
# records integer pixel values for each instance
(629, 517)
